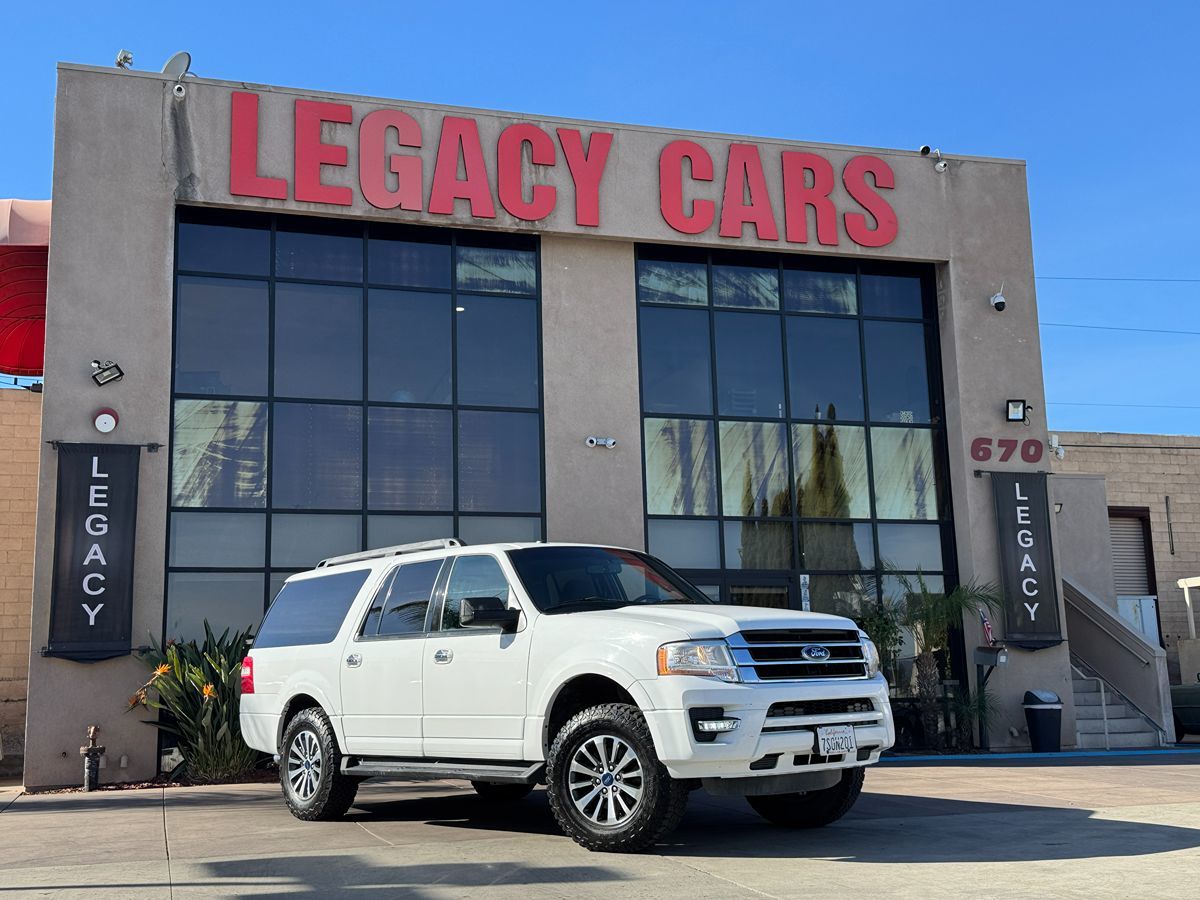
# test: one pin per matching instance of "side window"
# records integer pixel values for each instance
(371, 622)
(407, 599)
(310, 610)
(472, 576)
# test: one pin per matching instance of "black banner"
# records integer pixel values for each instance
(1026, 559)
(91, 601)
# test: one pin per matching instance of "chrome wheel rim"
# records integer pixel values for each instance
(606, 780)
(304, 765)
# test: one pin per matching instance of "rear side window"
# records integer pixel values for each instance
(310, 611)
(408, 598)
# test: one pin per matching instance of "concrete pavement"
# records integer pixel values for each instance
(1096, 827)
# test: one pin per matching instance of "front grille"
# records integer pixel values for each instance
(820, 707)
(779, 654)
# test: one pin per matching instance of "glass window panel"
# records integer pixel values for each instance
(897, 375)
(322, 257)
(676, 370)
(711, 591)
(417, 264)
(218, 540)
(839, 595)
(666, 281)
(821, 292)
(771, 596)
(754, 469)
(824, 368)
(370, 625)
(911, 547)
(846, 547)
(905, 473)
(318, 342)
(681, 473)
(898, 588)
(745, 286)
(831, 471)
(499, 529)
(316, 462)
(497, 351)
(685, 544)
(228, 249)
(472, 576)
(410, 458)
(231, 600)
(303, 541)
(221, 336)
(501, 271)
(749, 365)
(408, 347)
(891, 295)
(499, 462)
(407, 600)
(758, 545)
(388, 531)
(219, 453)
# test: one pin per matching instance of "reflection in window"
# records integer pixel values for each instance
(897, 375)
(231, 600)
(837, 547)
(336, 255)
(758, 545)
(318, 342)
(754, 469)
(891, 296)
(897, 589)
(219, 454)
(407, 598)
(831, 471)
(221, 336)
(499, 462)
(746, 286)
(410, 454)
(302, 541)
(227, 249)
(824, 368)
(499, 271)
(317, 458)
(676, 370)
(821, 292)
(472, 576)
(497, 351)
(749, 366)
(911, 547)
(767, 596)
(840, 595)
(408, 347)
(681, 476)
(413, 264)
(499, 529)
(661, 281)
(388, 531)
(905, 475)
(686, 543)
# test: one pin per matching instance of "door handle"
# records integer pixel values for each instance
(354, 660)
(443, 656)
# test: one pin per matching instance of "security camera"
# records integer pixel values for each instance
(179, 91)
(941, 165)
(610, 443)
(591, 442)
(998, 302)
(925, 150)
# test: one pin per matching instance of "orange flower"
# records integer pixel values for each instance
(162, 669)
(209, 691)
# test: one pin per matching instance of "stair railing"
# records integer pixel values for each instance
(1081, 676)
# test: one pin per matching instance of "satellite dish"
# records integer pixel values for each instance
(177, 66)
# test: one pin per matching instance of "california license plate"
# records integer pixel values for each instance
(833, 740)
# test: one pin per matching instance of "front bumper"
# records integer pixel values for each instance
(789, 747)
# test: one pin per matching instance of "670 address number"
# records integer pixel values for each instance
(982, 449)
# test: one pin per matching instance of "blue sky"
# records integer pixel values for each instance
(1098, 97)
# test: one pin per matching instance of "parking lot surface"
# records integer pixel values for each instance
(1081, 827)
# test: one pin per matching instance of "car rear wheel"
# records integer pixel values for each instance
(314, 787)
(811, 809)
(607, 789)
(501, 793)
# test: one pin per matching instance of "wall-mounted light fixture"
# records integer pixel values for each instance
(106, 371)
(1017, 411)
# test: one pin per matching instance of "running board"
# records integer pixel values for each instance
(421, 770)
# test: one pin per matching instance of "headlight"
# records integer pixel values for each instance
(870, 653)
(694, 658)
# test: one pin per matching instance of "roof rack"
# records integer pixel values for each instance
(397, 550)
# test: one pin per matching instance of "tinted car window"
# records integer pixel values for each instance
(310, 611)
(472, 576)
(408, 598)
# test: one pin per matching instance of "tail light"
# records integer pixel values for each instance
(248, 675)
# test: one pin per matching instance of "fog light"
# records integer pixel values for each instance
(712, 726)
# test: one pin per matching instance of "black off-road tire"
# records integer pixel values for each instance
(497, 792)
(334, 792)
(663, 800)
(811, 809)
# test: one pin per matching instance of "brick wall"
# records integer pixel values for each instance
(1142, 470)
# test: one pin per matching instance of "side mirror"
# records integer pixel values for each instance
(487, 612)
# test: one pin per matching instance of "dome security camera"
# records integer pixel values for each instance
(925, 150)
(179, 91)
(998, 302)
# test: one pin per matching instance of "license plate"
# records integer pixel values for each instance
(833, 740)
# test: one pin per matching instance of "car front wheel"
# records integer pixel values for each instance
(811, 809)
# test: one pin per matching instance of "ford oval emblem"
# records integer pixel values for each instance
(815, 654)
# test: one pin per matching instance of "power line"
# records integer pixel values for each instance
(1129, 405)
(1117, 328)
(1104, 278)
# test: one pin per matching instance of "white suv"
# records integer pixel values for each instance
(597, 671)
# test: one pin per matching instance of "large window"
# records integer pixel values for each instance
(793, 433)
(340, 386)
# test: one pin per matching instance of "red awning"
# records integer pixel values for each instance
(24, 236)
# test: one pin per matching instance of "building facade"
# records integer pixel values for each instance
(345, 322)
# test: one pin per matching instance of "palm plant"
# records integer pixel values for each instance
(931, 615)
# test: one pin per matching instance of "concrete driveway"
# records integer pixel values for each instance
(1094, 827)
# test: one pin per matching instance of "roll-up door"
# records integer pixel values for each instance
(1130, 572)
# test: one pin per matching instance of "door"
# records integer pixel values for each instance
(475, 677)
(381, 666)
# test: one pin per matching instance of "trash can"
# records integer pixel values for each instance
(1043, 715)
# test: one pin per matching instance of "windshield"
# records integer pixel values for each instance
(570, 579)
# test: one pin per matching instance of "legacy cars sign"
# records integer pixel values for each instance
(694, 196)
(1023, 525)
(91, 601)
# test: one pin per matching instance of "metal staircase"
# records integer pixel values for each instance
(1105, 719)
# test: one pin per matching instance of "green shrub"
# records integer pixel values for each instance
(198, 687)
